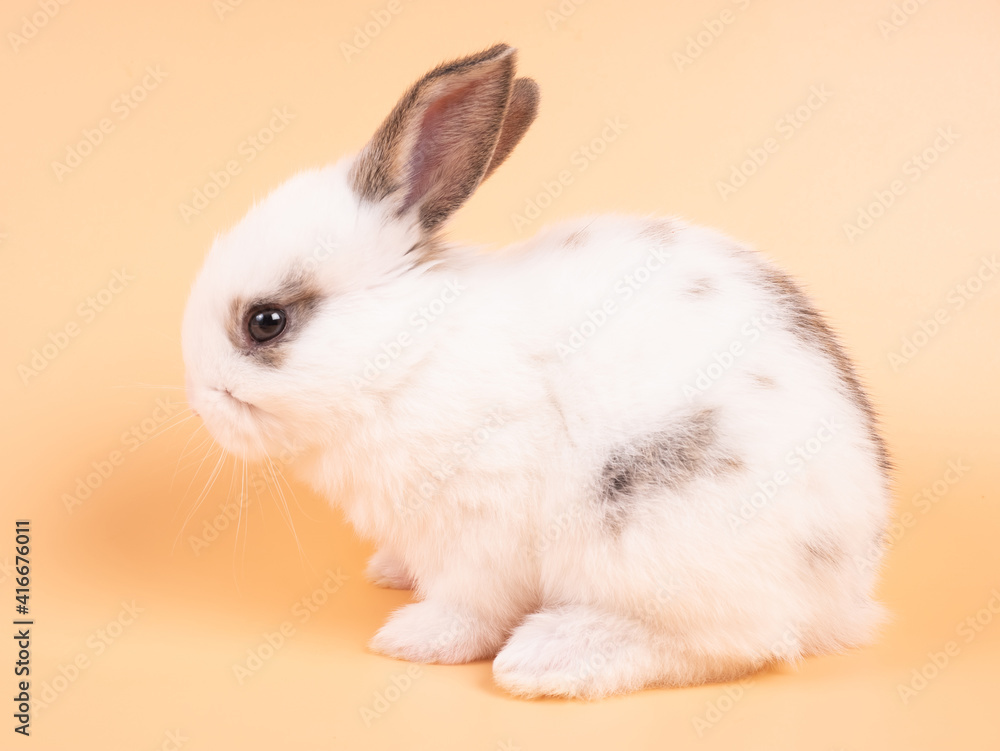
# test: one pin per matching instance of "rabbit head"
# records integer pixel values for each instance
(292, 299)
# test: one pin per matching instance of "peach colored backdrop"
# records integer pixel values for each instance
(856, 142)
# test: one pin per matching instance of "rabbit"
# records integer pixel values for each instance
(626, 453)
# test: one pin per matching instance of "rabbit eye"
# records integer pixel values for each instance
(265, 325)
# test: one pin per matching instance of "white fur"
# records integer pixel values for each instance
(473, 459)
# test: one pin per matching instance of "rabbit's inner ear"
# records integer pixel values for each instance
(434, 149)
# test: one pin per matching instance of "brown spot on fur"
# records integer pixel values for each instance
(661, 231)
(701, 286)
(731, 465)
(297, 297)
(805, 322)
(557, 407)
(576, 238)
(764, 381)
(446, 133)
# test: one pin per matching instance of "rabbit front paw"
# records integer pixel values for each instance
(432, 632)
(386, 570)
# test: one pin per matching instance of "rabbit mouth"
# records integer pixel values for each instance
(252, 409)
(239, 426)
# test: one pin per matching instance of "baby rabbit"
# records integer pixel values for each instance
(625, 453)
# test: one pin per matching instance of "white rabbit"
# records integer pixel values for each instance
(625, 453)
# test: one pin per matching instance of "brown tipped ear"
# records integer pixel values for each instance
(522, 109)
(437, 144)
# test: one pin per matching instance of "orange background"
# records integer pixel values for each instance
(891, 72)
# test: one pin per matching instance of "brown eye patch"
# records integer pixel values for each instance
(259, 327)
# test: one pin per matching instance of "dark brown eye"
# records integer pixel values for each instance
(265, 325)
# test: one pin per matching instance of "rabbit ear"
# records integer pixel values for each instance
(522, 109)
(441, 139)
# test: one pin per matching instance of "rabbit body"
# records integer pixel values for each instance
(626, 452)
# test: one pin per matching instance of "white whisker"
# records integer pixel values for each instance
(173, 423)
(201, 496)
(184, 452)
(288, 514)
(291, 492)
(239, 523)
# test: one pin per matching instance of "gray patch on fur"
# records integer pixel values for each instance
(822, 553)
(879, 540)
(806, 324)
(877, 547)
(667, 459)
